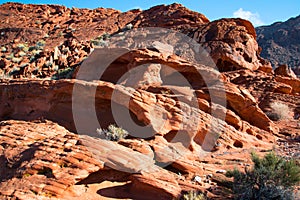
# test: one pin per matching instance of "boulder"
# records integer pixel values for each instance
(231, 43)
(293, 82)
(284, 70)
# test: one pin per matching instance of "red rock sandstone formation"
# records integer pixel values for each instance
(208, 127)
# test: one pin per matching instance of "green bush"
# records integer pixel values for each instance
(272, 177)
(113, 133)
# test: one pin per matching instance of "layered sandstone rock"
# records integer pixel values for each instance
(174, 16)
(188, 123)
(61, 38)
(284, 70)
(231, 43)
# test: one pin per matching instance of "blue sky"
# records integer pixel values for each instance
(259, 12)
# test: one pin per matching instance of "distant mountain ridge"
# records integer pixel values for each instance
(280, 43)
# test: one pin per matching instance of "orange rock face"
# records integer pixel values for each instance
(231, 43)
(284, 70)
(192, 110)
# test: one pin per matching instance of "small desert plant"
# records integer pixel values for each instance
(60, 34)
(16, 60)
(31, 48)
(40, 44)
(26, 175)
(63, 73)
(32, 59)
(49, 63)
(21, 46)
(193, 195)
(113, 133)
(22, 53)
(10, 56)
(279, 111)
(272, 177)
(3, 49)
(35, 52)
(101, 41)
(4, 76)
(129, 26)
(14, 71)
(7, 76)
(55, 67)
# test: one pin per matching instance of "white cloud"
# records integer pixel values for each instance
(137, 7)
(252, 17)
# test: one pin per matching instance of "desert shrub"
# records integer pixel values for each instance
(60, 34)
(101, 41)
(3, 49)
(16, 60)
(40, 44)
(14, 72)
(129, 26)
(21, 46)
(55, 67)
(113, 133)
(10, 56)
(66, 73)
(49, 63)
(272, 177)
(279, 111)
(4, 76)
(31, 48)
(22, 53)
(193, 195)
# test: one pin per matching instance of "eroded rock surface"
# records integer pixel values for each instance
(231, 43)
(59, 38)
(189, 117)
